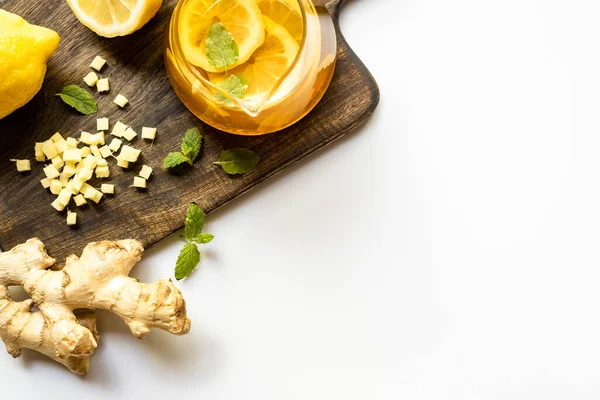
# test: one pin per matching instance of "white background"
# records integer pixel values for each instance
(446, 250)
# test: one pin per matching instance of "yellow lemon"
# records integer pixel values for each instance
(268, 64)
(111, 18)
(285, 13)
(24, 50)
(241, 18)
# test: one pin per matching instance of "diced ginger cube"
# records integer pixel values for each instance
(72, 155)
(139, 182)
(119, 129)
(98, 63)
(102, 124)
(71, 189)
(123, 163)
(39, 153)
(129, 153)
(107, 188)
(64, 197)
(63, 179)
(148, 133)
(103, 86)
(71, 218)
(115, 145)
(72, 142)
(129, 134)
(57, 161)
(121, 100)
(49, 149)
(60, 146)
(38, 147)
(70, 168)
(88, 192)
(80, 200)
(102, 172)
(91, 79)
(95, 151)
(85, 188)
(99, 138)
(85, 137)
(76, 183)
(105, 151)
(85, 174)
(90, 162)
(58, 206)
(51, 172)
(22, 165)
(146, 172)
(55, 186)
(57, 137)
(85, 151)
(97, 196)
(45, 183)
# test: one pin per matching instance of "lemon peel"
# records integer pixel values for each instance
(24, 51)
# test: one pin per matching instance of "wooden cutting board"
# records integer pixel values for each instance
(136, 69)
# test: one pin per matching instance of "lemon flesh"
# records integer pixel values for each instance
(241, 18)
(268, 64)
(24, 51)
(285, 13)
(112, 18)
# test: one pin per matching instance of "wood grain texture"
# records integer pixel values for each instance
(136, 69)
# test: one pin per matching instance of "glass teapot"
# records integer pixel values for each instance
(250, 67)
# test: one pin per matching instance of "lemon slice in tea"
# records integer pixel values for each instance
(285, 13)
(268, 64)
(241, 18)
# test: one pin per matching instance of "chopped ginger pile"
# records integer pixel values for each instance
(71, 163)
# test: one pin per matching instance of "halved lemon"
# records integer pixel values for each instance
(241, 18)
(268, 64)
(111, 18)
(285, 13)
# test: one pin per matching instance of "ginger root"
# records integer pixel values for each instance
(96, 280)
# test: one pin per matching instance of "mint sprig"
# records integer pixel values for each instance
(189, 256)
(190, 147)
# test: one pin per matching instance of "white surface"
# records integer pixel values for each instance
(447, 250)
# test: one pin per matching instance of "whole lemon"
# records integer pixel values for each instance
(24, 50)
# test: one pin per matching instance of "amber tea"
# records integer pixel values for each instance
(250, 66)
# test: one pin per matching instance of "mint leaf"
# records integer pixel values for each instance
(238, 161)
(236, 86)
(79, 98)
(174, 159)
(192, 141)
(190, 147)
(205, 238)
(194, 222)
(188, 259)
(221, 49)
